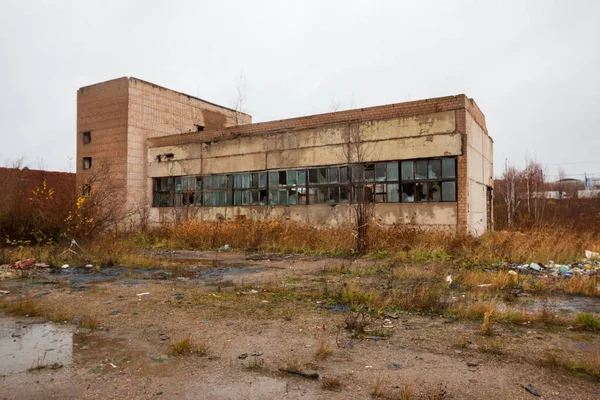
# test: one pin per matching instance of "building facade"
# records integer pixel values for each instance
(426, 162)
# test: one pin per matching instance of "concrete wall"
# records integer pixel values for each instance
(423, 136)
(396, 139)
(429, 215)
(479, 175)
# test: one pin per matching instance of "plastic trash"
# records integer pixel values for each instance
(529, 387)
(563, 269)
(591, 254)
(65, 266)
(535, 267)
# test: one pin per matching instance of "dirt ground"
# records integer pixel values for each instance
(239, 308)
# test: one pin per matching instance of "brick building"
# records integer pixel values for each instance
(426, 162)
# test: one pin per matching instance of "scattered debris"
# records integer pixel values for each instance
(257, 354)
(529, 387)
(65, 266)
(25, 264)
(142, 294)
(309, 375)
(243, 356)
(394, 366)
(114, 312)
(472, 364)
(591, 254)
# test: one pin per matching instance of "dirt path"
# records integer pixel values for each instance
(245, 309)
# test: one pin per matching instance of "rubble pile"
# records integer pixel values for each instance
(27, 266)
(585, 267)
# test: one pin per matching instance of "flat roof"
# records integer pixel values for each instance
(406, 109)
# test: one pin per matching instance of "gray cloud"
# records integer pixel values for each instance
(532, 66)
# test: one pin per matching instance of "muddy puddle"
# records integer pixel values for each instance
(26, 345)
(563, 304)
(82, 275)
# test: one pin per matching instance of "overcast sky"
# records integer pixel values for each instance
(533, 67)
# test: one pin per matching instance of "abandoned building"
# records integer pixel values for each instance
(426, 162)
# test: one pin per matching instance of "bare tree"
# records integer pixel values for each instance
(356, 152)
(238, 104)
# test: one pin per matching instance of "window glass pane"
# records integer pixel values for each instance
(356, 172)
(344, 194)
(333, 175)
(343, 174)
(228, 198)
(282, 178)
(198, 199)
(334, 194)
(312, 176)
(255, 180)
(321, 194)
(421, 192)
(435, 169)
(237, 198)
(178, 184)
(273, 197)
(448, 168)
(301, 177)
(291, 177)
(262, 179)
(380, 172)
(435, 191)
(392, 171)
(255, 197)
(421, 169)
(449, 191)
(283, 196)
(322, 175)
(246, 197)
(198, 183)
(408, 172)
(312, 195)
(238, 181)
(369, 172)
(380, 193)
(393, 192)
(408, 192)
(221, 199)
(273, 178)
(292, 196)
(246, 180)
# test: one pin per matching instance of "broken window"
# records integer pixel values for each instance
(328, 185)
(163, 193)
(425, 180)
(87, 137)
(250, 189)
(428, 180)
(199, 128)
(87, 162)
(217, 190)
(87, 189)
(287, 187)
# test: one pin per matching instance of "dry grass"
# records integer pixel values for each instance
(406, 392)
(187, 347)
(323, 351)
(588, 364)
(378, 390)
(331, 383)
(487, 328)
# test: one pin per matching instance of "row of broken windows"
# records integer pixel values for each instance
(425, 180)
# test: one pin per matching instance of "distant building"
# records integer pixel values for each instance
(427, 162)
